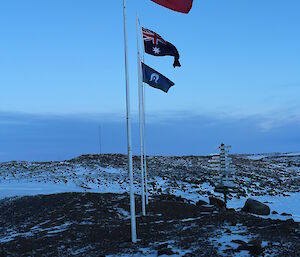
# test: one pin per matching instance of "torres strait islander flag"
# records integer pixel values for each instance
(183, 6)
(155, 79)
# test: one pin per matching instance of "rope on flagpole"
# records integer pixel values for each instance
(140, 85)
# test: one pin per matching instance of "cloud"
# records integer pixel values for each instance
(53, 137)
(279, 120)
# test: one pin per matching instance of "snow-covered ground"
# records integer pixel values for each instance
(32, 179)
(273, 179)
(281, 204)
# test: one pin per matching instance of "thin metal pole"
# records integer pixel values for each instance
(140, 116)
(130, 168)
(100, 146)
(144, 143)
(141, 31)
(143, 111)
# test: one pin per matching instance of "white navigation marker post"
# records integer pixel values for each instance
(222, 164)
(224, 168)
(140, 85)
(130, 168)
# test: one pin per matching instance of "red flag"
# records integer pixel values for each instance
(183, 6)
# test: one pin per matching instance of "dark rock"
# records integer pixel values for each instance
(165, 251)
(233, 222)
(189, 255)
(201, 202)
(217, 202)
(274, 212)
(231, 210)
(257, 242)
(227, 231)
(253, 246)
(256, 207)
(285, 214)
(240, 242)
(162, 246)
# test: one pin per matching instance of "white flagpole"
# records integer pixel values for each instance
(130, 169)
(144, 141)
(140, 116)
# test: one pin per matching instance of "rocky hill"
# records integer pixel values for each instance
(90, 224)
(79, 207)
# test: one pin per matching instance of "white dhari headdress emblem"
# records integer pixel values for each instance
(154, 77)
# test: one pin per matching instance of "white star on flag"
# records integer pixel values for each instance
(156, 50)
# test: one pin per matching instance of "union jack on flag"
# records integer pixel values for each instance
(149, 35)
(155, 45)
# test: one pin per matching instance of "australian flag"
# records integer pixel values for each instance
(155, 79)
(156, 45)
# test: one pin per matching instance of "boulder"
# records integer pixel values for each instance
(256, 207)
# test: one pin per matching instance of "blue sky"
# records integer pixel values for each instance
(62, 70)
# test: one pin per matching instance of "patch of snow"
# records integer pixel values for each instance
(292, 154)
(124, 214)
(222, 239)
(114, 170)
(288, 204)
(256, 157)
